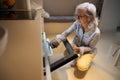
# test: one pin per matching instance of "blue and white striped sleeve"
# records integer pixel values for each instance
(67, 32)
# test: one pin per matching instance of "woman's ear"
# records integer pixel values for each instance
(90, 17)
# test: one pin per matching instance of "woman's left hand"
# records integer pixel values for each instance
(76, 48)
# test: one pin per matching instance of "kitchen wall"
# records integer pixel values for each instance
(65, 7)
(26, 4)
(21, 4)
(109, 20)
(110, 17)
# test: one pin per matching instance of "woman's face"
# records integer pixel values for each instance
(82, 17)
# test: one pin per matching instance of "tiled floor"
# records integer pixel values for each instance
(102, 67)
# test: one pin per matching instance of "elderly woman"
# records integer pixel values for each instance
(87, 35)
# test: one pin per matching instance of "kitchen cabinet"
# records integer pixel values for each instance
(22, 59)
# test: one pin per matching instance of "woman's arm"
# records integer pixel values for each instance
(67, 32)
(55, 42)
(91, 45)
(82, 49)
(94, 40)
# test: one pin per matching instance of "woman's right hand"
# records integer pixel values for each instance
(54, 43)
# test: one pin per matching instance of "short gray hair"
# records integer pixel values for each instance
(89, 7)
(91, 10)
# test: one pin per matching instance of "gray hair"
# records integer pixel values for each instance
(90, 8)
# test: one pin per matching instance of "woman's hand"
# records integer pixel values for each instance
(54, 43)
(76, 48)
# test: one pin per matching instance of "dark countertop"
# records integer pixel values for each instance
(17, 15)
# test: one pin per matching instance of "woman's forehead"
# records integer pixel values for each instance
(81, 12)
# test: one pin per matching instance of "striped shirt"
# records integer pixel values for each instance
(86, 40)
